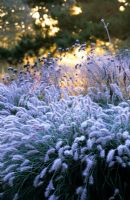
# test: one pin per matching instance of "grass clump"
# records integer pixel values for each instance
(76, 147)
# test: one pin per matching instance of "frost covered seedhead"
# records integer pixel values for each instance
(59, 148)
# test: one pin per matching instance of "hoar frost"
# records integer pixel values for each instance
(49, 136)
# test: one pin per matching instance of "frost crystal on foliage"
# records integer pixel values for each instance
(84, 194)
(110, 155)
(37, 181)
(43, 172)
(91, 180)
(102, 153)
(56, 165)
(84, 124)
(49, 188)
(44, 137)
(59, 144)
(80, 139)
(25, 168)
(52, 197)
(79, 190)
(9, 176)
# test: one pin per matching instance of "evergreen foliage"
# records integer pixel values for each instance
(84, 26)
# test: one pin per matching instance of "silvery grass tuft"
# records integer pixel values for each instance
(76, 147)
(58, 151)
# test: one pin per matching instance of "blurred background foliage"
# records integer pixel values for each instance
(33, 27)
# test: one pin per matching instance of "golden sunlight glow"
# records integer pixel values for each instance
(46, 21)
(122, 8)
(2, 14)
(124, 5)
(122, 1)
(53, 31)
(72, 78)
(29, 28)
(36, 15)
(73, 75)
(23, 26)
(71, 58)
(75, 10)
(50, 22)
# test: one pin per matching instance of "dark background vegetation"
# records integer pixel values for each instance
(21, 35)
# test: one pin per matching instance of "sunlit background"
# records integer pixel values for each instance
(30, 28)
